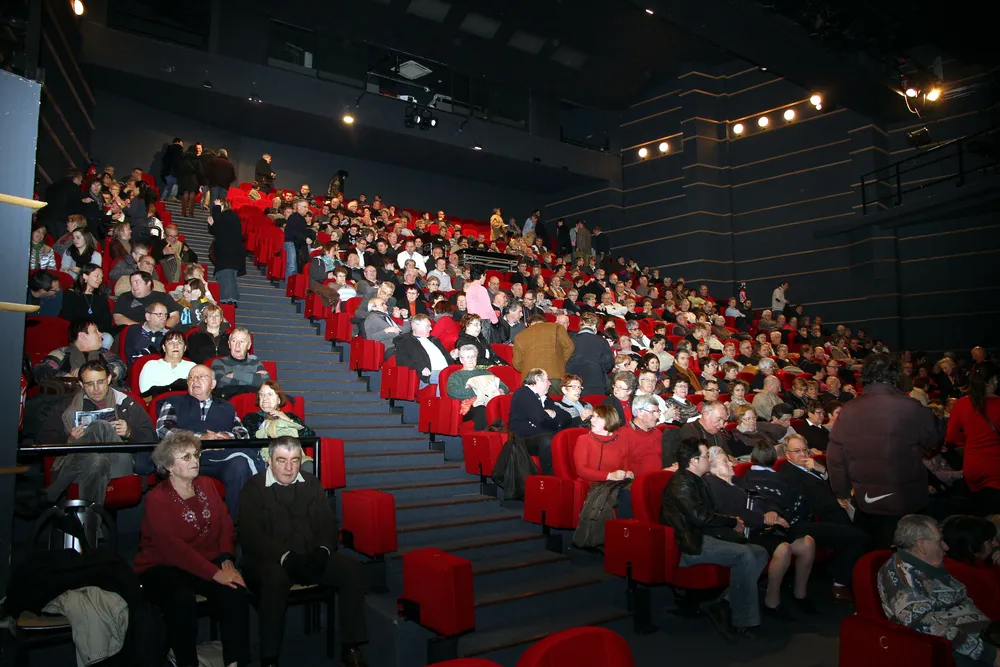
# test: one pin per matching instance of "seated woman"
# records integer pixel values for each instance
(40, 256)
(445, 327)
(602, 454)
(474, 387)
(686, 410)
(471, 333)
(269, 419)
(211, 338)
(658, 346)
(88, 300)
(187, 547)
(737, 396)
(623, 386)
(572, 390)
(765, 527)
(169, 373)
(651, 363)
(121, 241)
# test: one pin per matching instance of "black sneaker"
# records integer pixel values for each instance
(720, 619)
(779, 613)
(748, 633)
(806, 606)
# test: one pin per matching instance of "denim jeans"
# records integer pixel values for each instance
(232, 466)
(171, 189)
(217, 193)
(228, 288)
(291, 265)
(745, 563)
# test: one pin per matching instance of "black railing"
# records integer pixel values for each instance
(28, 451)
(959, 160)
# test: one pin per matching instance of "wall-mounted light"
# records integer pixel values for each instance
(649, 11)
(933, 95)
(789, 114)
(643, 152)
(738, 129)
(78, 7)
(664, 147)
(815, 100)
(763, 121)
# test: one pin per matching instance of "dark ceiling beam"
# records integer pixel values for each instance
(749, 32)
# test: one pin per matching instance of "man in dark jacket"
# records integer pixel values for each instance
(63, 197)
(221, 175)
(535, 417)
(170, 168)
(296, 232)
(877, 449)
(419, 350)
(264, 174)
(709, 428)
(592, 358)
(704, 536)
(126, 421)
(289, 536)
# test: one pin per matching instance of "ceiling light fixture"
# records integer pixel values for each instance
(664, 147)
(912, 92)
(649, 11)
(477, 147)
(78, 7)
(789, 114)
(815, 100)
(643, 152)
(412, 116)
(348, 118)
(763, 121)
(933, 95)
(738, 129)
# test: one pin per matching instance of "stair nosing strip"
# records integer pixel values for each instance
(558, 588)
(464, 521)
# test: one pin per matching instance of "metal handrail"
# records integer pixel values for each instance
(61, 449)
(895, 171)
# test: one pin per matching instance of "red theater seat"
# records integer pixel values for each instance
(556, 501)
(44, 334)
(590, 646)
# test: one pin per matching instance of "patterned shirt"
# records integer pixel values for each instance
(166, 422)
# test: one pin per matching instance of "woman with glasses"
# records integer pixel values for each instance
(623, 386)
(169, 373)
(572, 390)
(765, 527)
(686, 410)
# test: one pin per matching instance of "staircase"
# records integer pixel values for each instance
(522, 591)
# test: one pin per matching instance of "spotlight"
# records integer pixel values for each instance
(919, 138)
(206, 84)
(417, 118)
(643, 152)
(664, 147)
(819, 107)
(763, 121)
(477, 147)
(649, 11)
(434, 121)
(789, 114)
(933, 95)
(348, 118)
(738, 129)
(78, 7)
(426, 120)
(411, 117)
(815, 100)
(912, 92)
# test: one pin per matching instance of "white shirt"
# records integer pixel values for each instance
(438, 362)
(270, 479)
(444, 278)
(158, 373)
(778, 299)
(416, 257)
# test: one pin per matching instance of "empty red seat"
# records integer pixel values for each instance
(480, 450)
(366, 355)
(590, 646)
(438, 592)
(369, 522)
(556, 501)
(44, 334)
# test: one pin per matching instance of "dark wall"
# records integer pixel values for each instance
(131, 134)
(67, 111)
(785, 202)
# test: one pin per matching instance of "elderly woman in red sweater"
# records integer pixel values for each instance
(602, 454)
(187, 547)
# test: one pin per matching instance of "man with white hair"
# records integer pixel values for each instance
(918, 593)
(420, 351)
(240, 372)
(380, 326)
(710, 428)
(289, 536)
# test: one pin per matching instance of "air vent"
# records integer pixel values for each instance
(479, 25)
(411, 70)
(523, 41)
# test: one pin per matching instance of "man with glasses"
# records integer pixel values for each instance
(644, 441)
(709, 428)
(706, 536)
(147, 339)
(210, 419)
(119, 419)
(816, 434)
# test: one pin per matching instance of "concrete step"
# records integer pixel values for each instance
(378, 445)
(343, 419)
(368, 461)
(393, 433)
(483, 548)
(406, 474)
(484, 642)
(412, 511)
(507, 570)
(536, 597)
(441, 530)
(423, 491)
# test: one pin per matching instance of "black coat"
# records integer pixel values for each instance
(191, 175)
(410, 353)
(592, 360)
(230, 253)
(295, 229)
(63, 198)
(221, 173)
(528, 416)
(565, 242)
(262, 172)
(173, 158)
(689, 509)
(487, 357)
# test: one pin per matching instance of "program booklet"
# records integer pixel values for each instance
(85, 418)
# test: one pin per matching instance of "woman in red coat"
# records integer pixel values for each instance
(602, 454)
(187, 547)
(975, 423)
(445, 327)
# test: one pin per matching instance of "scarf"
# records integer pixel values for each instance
(79, 259)
(113, 400)
(35, 259)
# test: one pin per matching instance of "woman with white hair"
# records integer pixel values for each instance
(474, 387)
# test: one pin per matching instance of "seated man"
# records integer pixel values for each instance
(147, 339)
(420, 351)
(289, 533)
(240, 372)
(918, 592)
(642, 437)
(764, 401)
(130, 308)
(704, 536)
(380, 326)
(128, 265)
(209, 419)
(126, 420)
(816, 434)
(535, 417)
(710, 428)
(45, 292)
(85, 345)
(780, 426)
(146, 263)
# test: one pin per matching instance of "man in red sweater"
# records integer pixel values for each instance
(644, 449)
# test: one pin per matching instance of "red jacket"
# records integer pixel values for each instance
(597, 455)
(981, 461)
(166, 538)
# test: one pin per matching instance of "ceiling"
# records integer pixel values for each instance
(274, 122)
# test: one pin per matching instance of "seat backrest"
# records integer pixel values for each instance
(154, 405)
(591, 646)
(865, 583)
(244, 403)
(593, 399)
(563, 446)
(508, 375)
(45, 335)
(136, 369)
(443, 378)
(498, 408)
(981, 583)
(647, 495)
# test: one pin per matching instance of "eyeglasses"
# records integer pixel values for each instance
(795, 451)
(158, 314)
(95, 384)
(573, 386)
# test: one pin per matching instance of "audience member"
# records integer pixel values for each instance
(544, 345)
(238, 372)
(623, 386)
(147, 339)
(169, 373)
(602, 454)
(536, 417)
(572, 403)
(45, 292)
(973, 424)
(131, 308)
(88, 300)
(418, 350)
(85, 344)
(592, 358)
(474, 387)
(211, 338)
